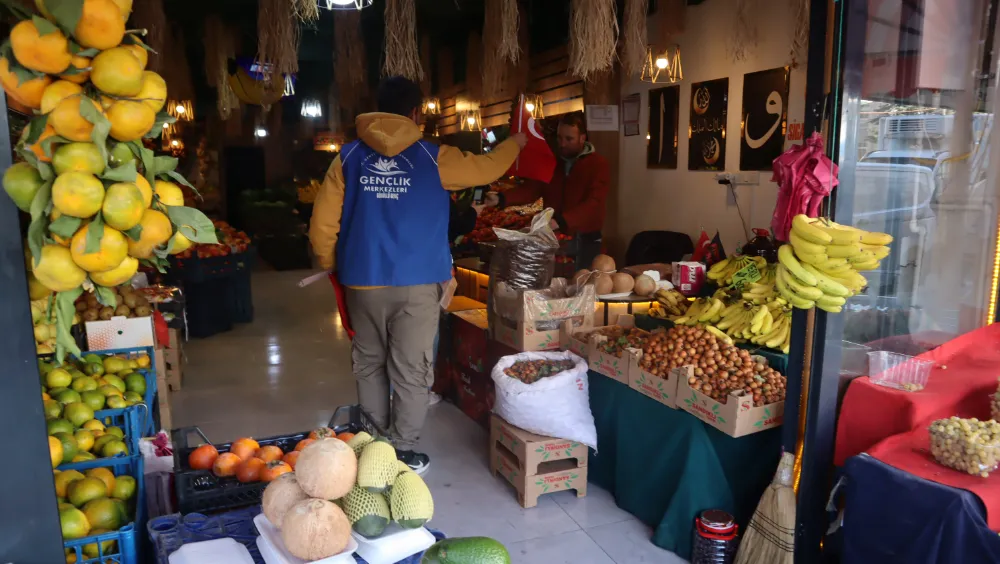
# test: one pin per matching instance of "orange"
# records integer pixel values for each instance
(112, 251)
(55, 451)
(125, 6)
(101, 25)
(74, 523)
(64, 479)
(57, 92)
(78, 157)
(156, 230)
(117, 275)
(103, 474)
(29, 92)
(100, 512)
(103, 513)
(67, 121)
(21, 182)
(37, 147)
(130, 120)
(123, 206)
(145, 188)
(169, 193)
(77, 62)
(47, 53)
(154, 90)
(117, 71)
(77, 194)
(57, 271)
(79, 492)
(139, 51)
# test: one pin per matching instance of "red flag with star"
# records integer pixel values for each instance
(536, 160)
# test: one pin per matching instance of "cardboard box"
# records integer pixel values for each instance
(688, 277)
(562, 470)
(469, 335)
(736, 418)
(162, 399)
(532, 320)
(663, 390)
(120, 333)
(463, 303)
(616, 368)
(576, 340)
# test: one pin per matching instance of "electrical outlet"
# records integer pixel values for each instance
(751, 177)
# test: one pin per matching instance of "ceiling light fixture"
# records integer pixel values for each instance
(470, 120)
(260, 132)
(534, 104)
(181, 109)
(311, 108)
(664, 67)
(345, 4)
(432, 106)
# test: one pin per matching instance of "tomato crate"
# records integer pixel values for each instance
(202, 491)
(128, 419)
(147, 424)
(125, 548)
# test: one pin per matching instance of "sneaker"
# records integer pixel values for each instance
(433, 399)
(417, 461)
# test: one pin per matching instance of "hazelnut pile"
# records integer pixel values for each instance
(967, 445)
(718, 368)
(531, 371)
(995, 405)
(623, 338)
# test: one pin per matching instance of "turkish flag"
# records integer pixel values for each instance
(536, 160)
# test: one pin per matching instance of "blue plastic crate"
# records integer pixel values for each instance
(128, 419)
(169, 532)
(126, 548)
(147, 425)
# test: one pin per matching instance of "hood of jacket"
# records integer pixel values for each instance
(387, 134)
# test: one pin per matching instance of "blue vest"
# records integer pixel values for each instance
(394, 229)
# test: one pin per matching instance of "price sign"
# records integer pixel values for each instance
(746, 275)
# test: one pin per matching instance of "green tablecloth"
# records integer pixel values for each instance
(775, 359)
(665, 466)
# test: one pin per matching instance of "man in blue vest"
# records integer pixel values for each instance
(382, 212)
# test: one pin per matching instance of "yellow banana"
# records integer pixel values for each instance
(797, 288)
(828, 285)
(841, 234)
(776, 341)
(835, 270)
(719, 334)
(863, 256)
(758, 319)
(870, 265)
(842, 251)
(875, 238)
(787, 259)
(802, 225)
(831, 263)
(718, 268)
(803, 247)
(830, 301)
(830, 309)
(768, 322)
(796, 301)
(682, 320)
(881, 252)
(712, 311)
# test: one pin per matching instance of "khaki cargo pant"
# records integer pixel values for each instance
(394, 330)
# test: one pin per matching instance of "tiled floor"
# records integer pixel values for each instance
(289, 370)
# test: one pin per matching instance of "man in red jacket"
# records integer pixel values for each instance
(577, 192)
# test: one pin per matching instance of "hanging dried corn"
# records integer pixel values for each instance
(593, 35)
(277, 38)
(349, 59)
(634, 48)
(500, 40)
(402, 58)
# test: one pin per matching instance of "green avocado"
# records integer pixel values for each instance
(467, 550)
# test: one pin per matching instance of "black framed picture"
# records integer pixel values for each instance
(707, 132)
(664, 107)
(764, 118)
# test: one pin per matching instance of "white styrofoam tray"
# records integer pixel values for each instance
(218, 551)
(281, 555)
(395, 544)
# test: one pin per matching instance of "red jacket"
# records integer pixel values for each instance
(578, 199)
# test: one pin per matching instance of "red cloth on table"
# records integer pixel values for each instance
(345, 319)
(160, 329)
(910, 452)
(964, 375)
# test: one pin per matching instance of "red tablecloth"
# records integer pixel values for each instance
(965, 373)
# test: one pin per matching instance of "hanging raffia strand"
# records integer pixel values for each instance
(593, 34)
(402, 57)
(634, 48)
(800, 32)
(220, 46)
(425, 63)
(500, 46)
(149, 15)
(277, 38)
(743, 37)
(349, 58)
(306, 10)
(474, 68)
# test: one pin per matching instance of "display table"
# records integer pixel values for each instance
(665, 466)
(964, 375)
(911, 520)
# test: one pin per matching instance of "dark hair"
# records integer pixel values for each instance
(399, 95)
(575, 119)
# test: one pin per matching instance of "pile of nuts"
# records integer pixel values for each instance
(531, 371)
(623, 338)
(967, 445)
(995, 405)
(719, 368)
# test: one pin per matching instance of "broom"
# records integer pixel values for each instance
(770, 536)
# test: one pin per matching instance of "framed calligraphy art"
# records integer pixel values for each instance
(664, 107)
(707, 130)
(764, 118)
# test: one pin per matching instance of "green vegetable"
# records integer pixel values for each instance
(468, 550)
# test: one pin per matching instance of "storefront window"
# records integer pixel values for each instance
(924, 170)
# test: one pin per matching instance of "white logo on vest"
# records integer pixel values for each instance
(386, 180)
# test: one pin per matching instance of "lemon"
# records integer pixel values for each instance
(123, 206)
(117, 72)
(181, 243)
(117, 275)
(67, 121)
(78, 157)
(57, 92)
(111, 252)
(154, 90)
(169, 193)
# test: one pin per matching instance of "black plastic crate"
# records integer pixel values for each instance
(201, 491)
(197, 269)
(207, 307)
(241, 293)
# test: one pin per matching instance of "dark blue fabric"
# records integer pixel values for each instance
(394, 229)
(892, 516)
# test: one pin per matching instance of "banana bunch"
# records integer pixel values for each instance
(762, 291)
(821, 265)
(780, 331)
(672, 303)
(722, 272)
(702, 311)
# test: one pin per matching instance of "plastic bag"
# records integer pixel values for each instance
(556, 406)
(525, 261)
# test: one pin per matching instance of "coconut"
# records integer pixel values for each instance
(315, 529)
(603, 263)
(327, 469)
(281, 494)
(644, 285)
(622, 282)
(603, 284)
(582, 277)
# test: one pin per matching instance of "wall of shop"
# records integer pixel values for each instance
(688, 201)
